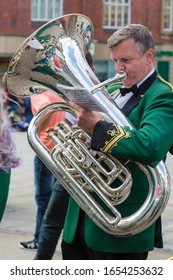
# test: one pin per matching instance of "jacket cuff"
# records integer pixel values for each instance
(107, 135)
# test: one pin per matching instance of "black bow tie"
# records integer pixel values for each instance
(133, 89)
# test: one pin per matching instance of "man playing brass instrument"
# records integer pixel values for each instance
(149, 106)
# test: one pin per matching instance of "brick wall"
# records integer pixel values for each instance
(15, 22)
(15, 19)
(148, 13)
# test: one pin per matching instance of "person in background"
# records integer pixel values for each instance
(53, 220)
(26, 115)
(8, 157)
(147, 100)
(18, 111)
(43, 178)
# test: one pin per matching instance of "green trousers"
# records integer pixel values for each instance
(4, 188)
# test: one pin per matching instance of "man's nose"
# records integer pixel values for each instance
(119, 66)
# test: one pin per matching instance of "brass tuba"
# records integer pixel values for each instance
(54, 58)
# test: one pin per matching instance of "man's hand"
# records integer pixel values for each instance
(86, 119)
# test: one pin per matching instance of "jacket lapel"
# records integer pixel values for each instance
(135, 98)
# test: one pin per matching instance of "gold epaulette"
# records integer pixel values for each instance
(165, 82)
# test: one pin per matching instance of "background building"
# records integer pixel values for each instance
(21, 18)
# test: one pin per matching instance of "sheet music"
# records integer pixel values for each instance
(82, 97)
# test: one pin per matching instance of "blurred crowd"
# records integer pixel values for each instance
(18, 111)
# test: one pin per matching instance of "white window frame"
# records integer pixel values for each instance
(167, 9)
(39, 5)
(117, 4)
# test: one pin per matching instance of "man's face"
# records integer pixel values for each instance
(127, 57)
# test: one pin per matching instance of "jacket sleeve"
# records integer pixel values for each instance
(149, 140)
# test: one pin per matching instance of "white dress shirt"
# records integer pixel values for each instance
(122, 100)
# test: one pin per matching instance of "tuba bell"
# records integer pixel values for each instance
(53, 58)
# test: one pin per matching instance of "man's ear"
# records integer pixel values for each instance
(150, 54)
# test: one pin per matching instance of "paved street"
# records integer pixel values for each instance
(19, 219)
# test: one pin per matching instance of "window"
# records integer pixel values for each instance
(116, 13)
(167, 15)
(45, 10)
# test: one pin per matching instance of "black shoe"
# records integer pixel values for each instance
(33, 244)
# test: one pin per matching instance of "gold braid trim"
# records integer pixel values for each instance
(165, 82)
(116, 135)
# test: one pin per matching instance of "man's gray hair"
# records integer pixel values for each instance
(138, 32)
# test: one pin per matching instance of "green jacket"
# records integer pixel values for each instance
(148, 143)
